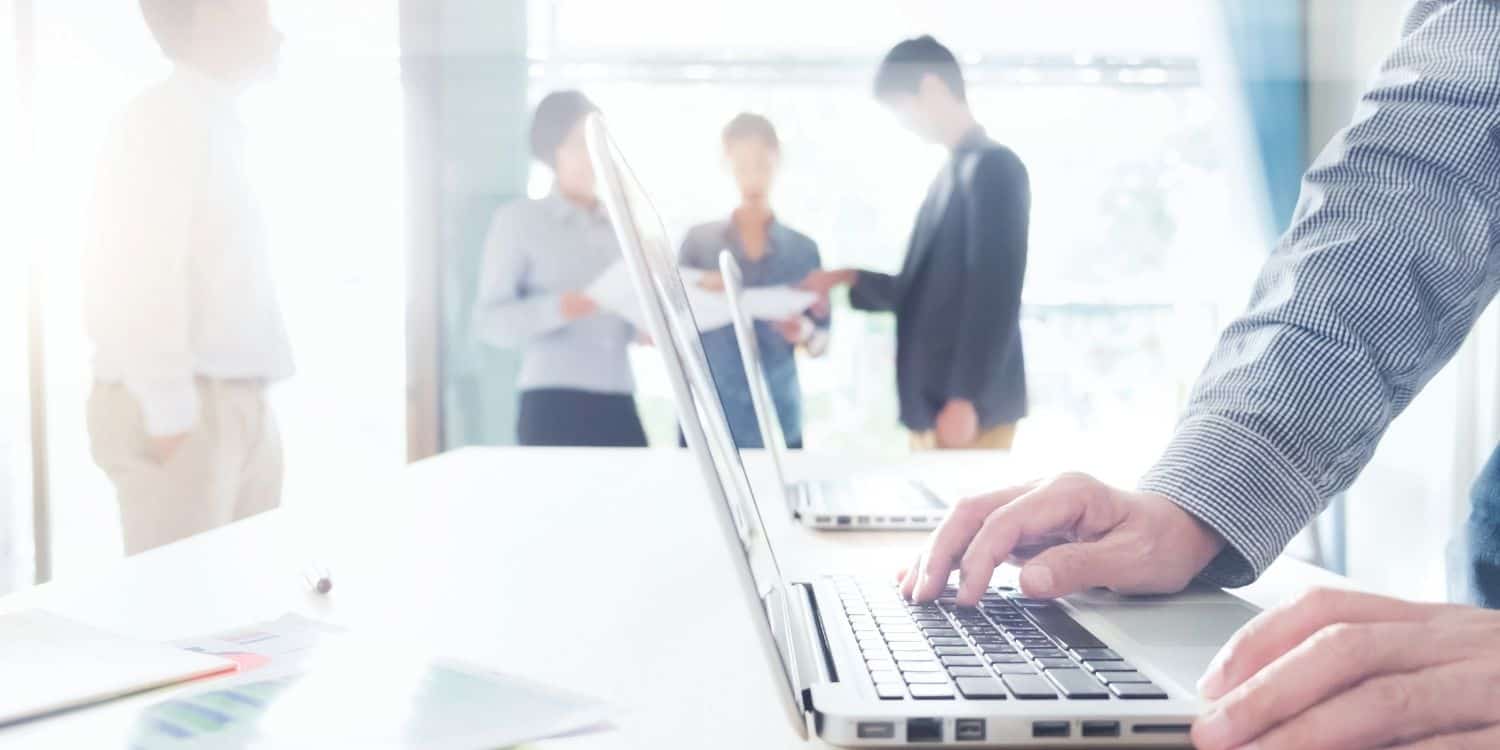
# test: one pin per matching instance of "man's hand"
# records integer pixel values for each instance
(822, 282)
(957, 424)
(165, 447)
(794, 329)
(1339, 669)
(577, 305)
(1072, 532)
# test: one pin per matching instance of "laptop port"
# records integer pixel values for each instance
(1162, 728)
(898, 519)
(824, 520)
(864, 520)
(876, 730)
(843, 520)
(924, 730)
(969, 730)
(1101, 729)
(919, 519)
(880, 520)
(1050, 729)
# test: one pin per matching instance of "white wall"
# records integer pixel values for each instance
(1404, 508)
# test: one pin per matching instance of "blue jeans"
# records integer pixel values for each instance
(1481, 545)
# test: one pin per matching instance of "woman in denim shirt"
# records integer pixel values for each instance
(770, 254)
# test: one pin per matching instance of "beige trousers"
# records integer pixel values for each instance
(228, 468)
(997, 438)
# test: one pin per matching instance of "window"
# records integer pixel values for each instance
(1141, 235)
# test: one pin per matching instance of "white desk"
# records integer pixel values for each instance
(594, 570)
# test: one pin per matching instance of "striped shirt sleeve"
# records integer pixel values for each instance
(1390, 258)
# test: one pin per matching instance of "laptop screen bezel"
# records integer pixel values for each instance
(701, 412)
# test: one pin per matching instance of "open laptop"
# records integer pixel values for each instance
(858, 665)
(856, 503)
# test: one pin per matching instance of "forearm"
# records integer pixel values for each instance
(1383, 272)
(512, 322)
(874, 292)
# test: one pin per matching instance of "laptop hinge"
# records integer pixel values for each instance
(814, 656)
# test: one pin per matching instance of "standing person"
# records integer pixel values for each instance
(770, 254)
(179, 299)
(576, 385)
(957, 300)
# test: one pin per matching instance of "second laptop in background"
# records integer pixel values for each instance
(851, 503)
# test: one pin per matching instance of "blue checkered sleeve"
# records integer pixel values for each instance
(1390, 258)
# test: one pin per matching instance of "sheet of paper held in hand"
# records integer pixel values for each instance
(614, 293)
(304, 684)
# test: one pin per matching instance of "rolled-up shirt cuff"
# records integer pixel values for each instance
(1240, 485)
(168, 407)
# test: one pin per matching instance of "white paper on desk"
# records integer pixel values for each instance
(614, 293)
(49, 663)
(324, 688)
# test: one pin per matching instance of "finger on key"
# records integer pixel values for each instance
(1050, 512)
(947, 544)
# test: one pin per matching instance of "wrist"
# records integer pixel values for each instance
(1200, 543)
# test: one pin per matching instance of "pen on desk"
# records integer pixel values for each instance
(317, 579)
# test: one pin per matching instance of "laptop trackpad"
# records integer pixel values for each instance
(1175, 634)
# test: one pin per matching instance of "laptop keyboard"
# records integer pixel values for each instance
(1009, 647)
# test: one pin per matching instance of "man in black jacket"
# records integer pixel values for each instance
(957, 300)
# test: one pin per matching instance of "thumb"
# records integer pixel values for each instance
(1070, 568)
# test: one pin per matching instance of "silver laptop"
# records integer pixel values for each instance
(860, 666)
(855, 503)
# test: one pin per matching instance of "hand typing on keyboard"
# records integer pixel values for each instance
(1069, 533)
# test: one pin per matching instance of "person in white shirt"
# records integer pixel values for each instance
(178, 293)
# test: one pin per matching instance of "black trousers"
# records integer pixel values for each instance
(563, 417)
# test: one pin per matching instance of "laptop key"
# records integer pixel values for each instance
(1046, 653)
(981, 688)
(1029, 687)
(961, 661)
(1022, 668)
(1108, 666)
(1056, 664)
(932, 692)
(925, 678)
(953, 651)
(1006, 659)
(997, 648)
(942, 633)
(884, 675)
(919, 666)
(1122, 678)
(1064, 628)
(890, 691)
(949, 642)
(970, 672)
(1097, 654)
(1139, 691)
(1077, 684)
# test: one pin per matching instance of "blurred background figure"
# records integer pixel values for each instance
(957, 299)
(576, 386)
(179, 301)
(770, 254)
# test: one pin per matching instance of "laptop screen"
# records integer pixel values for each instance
(653, 264)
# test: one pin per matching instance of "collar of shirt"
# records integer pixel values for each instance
(565, 210)
(734, 242)
(973, 140)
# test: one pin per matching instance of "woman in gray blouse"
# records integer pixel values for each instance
(575, 381)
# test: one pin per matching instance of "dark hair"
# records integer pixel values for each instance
(171, 23)
(904, 67)
(749, 125)
(556, 116)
